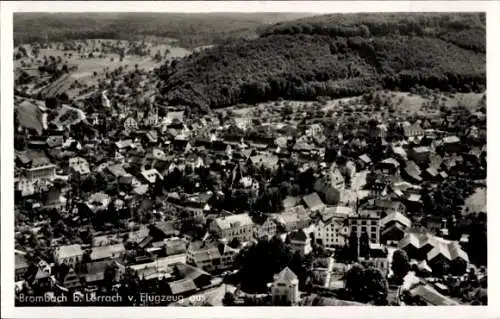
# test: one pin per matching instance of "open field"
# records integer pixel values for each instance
(404, 104)
(476, 202)
(86, 66)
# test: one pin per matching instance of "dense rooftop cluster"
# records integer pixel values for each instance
(127, 190)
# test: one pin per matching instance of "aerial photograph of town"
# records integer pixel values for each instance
(249, 159)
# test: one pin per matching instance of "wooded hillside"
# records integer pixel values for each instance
(336, 56)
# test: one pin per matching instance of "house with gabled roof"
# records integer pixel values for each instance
(150, 175)
(234, 226)
(265, 226)
(364, 161)
(394, 226)
(451, 144)
(413, 130)
(293, 218)
(313, 202)
(412, 172)
(79, 165)
(130, 124)
(68, 254)
(430, 296)
(285, 288)
(420, 154)
(435, 250)
(333, 226)
(107, 252)
(163, 230)
(300, 242)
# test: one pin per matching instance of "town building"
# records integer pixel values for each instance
(130, 124)
(79, 165)
(210, 256)
(234, 226)
(41, 167)
(285, 288)
(300, 242)
(293, 218)
(437, 251)
(70, 255)
(333, 227)
(265, 226)
(21, 265)
(366, 221)
(394, 226)
(313, 202)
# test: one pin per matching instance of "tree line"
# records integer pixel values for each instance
(304, 67)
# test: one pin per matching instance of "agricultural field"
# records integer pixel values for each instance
(404, 104)
(92, 59)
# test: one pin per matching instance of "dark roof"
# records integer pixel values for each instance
(299, 235)
(189, 272)
(166, 227)
(431, 296)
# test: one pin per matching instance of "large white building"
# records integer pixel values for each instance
(238, 226)
(285, 288)
(366, 221)
(333, 229)
(209, 256)
(69, 255)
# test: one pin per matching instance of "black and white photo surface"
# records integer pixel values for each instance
(169, 159)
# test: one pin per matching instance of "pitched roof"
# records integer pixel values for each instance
(106, 251)
(432, 296)
(432, 171)
(151, 175)
(182, 286)
(117, 170)
(390, 161)
(336, 212)
(231, 221)
(451, 139)
(313, 201)
(69, 251)
(166, 227)
(396, 217)
(20, 260)
(286, 275)
(365, 158)
(440, 246)
(190, 272)
(290, 201)
(267, 160)
(299, 235)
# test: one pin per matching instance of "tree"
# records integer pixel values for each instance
(376, 286)
(110, 275)
(458, 267)
(234, 243)
(400, 263)
(354, 281)
(364, 245)
(228, 299)
(353, 246)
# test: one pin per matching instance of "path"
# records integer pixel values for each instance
(329, 272)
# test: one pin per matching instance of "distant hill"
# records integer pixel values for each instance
(336, 56)
(190, 29)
